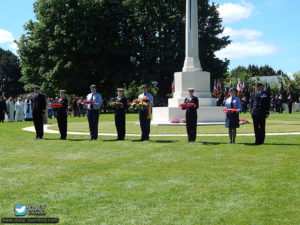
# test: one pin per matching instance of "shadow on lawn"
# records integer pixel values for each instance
(157, 141)
(212, 143)
(279, 144)
(57, 139)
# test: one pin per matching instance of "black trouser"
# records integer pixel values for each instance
(93, 118)
(120, 125)
(191, 125)
(280, 108)
(38, 121)
(145, 124)
(290, 108)
(259, 123)
(2, 116)
(62, 121)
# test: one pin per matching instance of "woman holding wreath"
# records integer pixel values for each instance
(233, 107)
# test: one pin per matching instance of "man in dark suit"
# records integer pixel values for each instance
(191, 116)
(2, 109)
(120, 113)
(260, 107)
(38, 111)
(62, 115)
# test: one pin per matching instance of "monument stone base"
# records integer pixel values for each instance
(208, 112)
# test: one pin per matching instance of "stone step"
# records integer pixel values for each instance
(205, 114)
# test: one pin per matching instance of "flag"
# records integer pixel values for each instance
(230, 84)
(238, 85)
(173, 86)
(215, 89)
(220, 86)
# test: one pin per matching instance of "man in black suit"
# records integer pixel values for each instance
(259, 108)
(2, 109)
(38, 111)
(62, 115)
(120, 114)
(191, 116)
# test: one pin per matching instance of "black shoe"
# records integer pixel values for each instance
(63, 138)
(142, 139)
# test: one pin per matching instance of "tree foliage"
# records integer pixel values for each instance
(74, 43)
(10, 74)
(256, 71)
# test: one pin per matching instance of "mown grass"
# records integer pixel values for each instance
(275, 124)
(163, 181)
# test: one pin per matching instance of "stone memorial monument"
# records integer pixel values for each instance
(191, 76)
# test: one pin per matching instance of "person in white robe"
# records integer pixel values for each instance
(10, 110)
(19, 108)
(28, 109)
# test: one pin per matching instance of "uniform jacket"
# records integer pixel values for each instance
(2, 105)
(38, 103)
(194, 100)
(260, 104)
(121, 111)
(63, 111)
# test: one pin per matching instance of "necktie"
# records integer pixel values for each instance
(91, 105)
(232, 106)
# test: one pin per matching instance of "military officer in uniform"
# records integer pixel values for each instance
(93, 111)
(145, 121)
(191, 116)
(120, 114)
(62, 115)
(259, 108)
(38, 111)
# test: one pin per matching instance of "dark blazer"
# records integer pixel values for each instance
(260, 104)
(194, 100)
(63, 111)
(2, 106)
(121, 111)
(38, 103)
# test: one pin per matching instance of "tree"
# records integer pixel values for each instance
(10, 73)
(110, 43)
(159, 29)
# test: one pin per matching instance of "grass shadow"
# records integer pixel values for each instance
(213, 143)
(58, 139)
(115, 140)
(270, 144)
(163, 141)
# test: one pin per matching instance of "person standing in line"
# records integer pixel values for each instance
(120, 114)
(93, 111)
(2, 109)
(19, 108)
(280, 103)
(290, 104)
(62, 115)
(28, 108)
(145, 120)
(260, 107)
(81, 109)
(38, 110)
(50, 110)
(191, 115)
(10, 110)
(232, 118)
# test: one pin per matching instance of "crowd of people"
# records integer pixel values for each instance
(15, 109)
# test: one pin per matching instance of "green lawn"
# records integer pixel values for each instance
(163, 181)
(275, 124)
